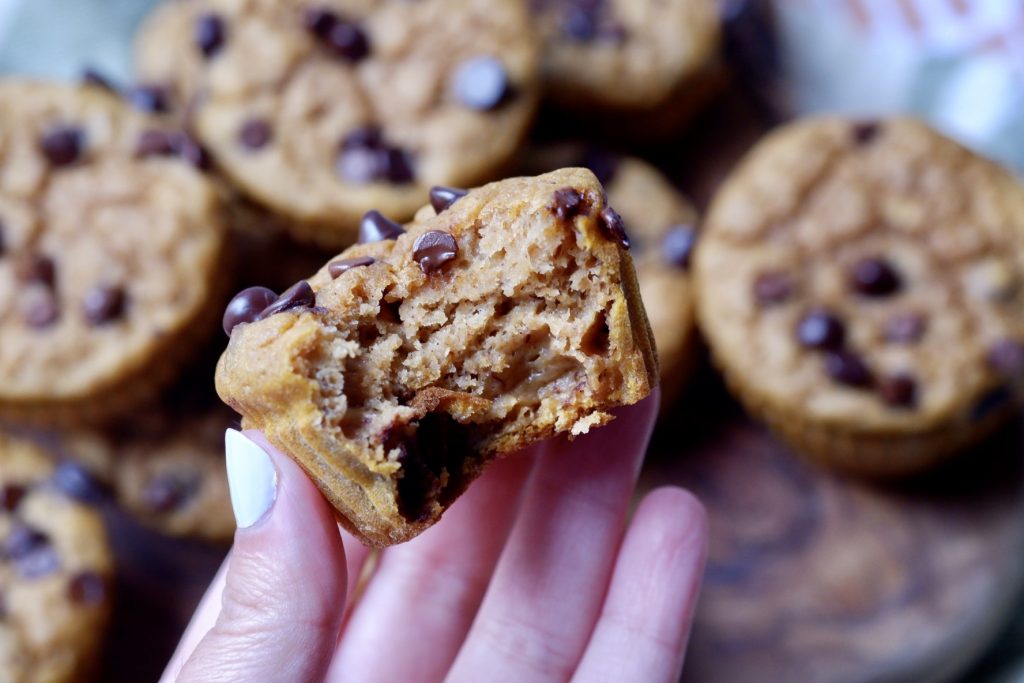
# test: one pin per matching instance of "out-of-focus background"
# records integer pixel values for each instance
(812, 576)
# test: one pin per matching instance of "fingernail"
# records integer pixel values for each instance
(252, 479)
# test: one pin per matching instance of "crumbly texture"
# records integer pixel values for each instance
(652, 208)
(55, 574)
(624, 54)
(399, 385)
(109, 261)
(912, 245)
(273, 73)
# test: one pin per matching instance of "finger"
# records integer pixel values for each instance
(551, 580)
(202, 621)
(284, 591)
(645, 622)
(425, 593)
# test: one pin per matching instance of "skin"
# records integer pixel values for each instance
(534, 574)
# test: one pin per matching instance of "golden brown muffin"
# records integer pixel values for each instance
(410, 361)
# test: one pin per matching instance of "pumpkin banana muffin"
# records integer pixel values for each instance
(860, 284)
(324, 109)
(498, 318)
(110, 251)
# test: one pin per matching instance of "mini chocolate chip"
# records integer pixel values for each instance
(905, 328)
(677, 245)
(336, 268)
(34, 267)
(166, 493)
(186, 147)
(992, 401)
(255, 133)
(94, 79)
(153, 142)
(367, 136)
(773, 288)
(41, 310)
(481, 83)
(442, 197)
(87, 588)
(246, 306)
(847, 368)
(613, 225)
(210, 34)
(152, 99)
(10, 496)
(433, 249)
(370, 162)
(63, 146)
(75, 481)
(567, 203)
(1006, 357)
(602, 163)
(580, 23)
(348, 40)
(899, 391)
(397, 166)
(874, 277)
(864, 132)
(299, 295)
(821, 330)
(104, 304)
(319, 21)
(374, 227)
(21, 541)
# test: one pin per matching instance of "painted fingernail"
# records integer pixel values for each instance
(252, 479)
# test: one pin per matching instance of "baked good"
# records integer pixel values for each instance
(859, 283)
(662, 228)
(407, 363)
(55, 573)
(631, 63)
(324, 110)
(110, 253)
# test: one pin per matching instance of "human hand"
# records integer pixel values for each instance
(530, 576)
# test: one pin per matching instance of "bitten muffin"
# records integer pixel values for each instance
(860, 285)
(662, 228)
(324, 109)
(629, 60)
(406, 364)
(55, 573)
(110, 253)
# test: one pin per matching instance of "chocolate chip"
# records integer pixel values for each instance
(442, 197)
(864, 132)
(433, 249)
(21, 541)
(580, 23)
(319, 21)
(367, 136)
(847, 368)
(36, 268)
(602, 163)
(874, 277)
(481, 83)
(210, 34)
(186, 147)
(374, 227)
(905, 328)
(166, 493)
(348, 40)
(898, 391)
(567, 203)
(75, 481)
(10, 496)
(152, 99)
(820, 330)
(246, 306)
(63, 146)
(435, 446)
(94, 79)
(38, 563)
(336, 268)
(773, 288)
(40, 310)
(677, 245)
(104, 304)
(299, 295)
(992, 401)
(613, 226)
(1006, 357)
(154, 142)
(87, 588)
(365, 157)
(255, 133)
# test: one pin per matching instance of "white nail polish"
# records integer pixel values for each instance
(252, 478)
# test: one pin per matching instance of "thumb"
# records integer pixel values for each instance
(284, 589)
